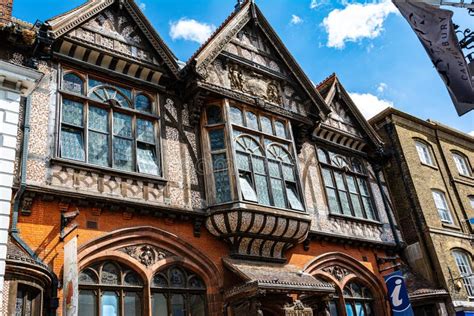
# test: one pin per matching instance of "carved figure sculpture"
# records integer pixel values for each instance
(273, 94)
(236, 78)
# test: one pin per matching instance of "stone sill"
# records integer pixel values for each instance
(356, 219)
(429, 166)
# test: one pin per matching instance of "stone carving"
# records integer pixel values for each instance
(146, 254)
(298, 309)
(236, 79)
(273, 93)
(115, 31)
(337, 271)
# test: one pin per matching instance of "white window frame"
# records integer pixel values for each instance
(441, 204)
(424, 153)
(461, 164)
(464, 265)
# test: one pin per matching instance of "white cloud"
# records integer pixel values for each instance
(369, 104)
(314, 4)
(356, 21)
(296, 19)
(141, 5)
(471, 133)
(382, 87)
(191, 30)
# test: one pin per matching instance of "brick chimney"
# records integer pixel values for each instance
(6, 7)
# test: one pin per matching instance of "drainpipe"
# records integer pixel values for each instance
(388, 210)
(14, 232)
(453, 183)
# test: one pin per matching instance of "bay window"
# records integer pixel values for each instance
(263, 156)
(109, 125)
(346, 183)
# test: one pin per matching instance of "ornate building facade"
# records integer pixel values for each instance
(227, 185)
(433, 186)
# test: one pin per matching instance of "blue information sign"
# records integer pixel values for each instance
(398, 294)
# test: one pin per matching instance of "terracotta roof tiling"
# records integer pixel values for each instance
(418, 286)
(16, 253)
(276, 275)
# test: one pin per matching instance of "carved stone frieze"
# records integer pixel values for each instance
(115, 31)
(298, 309)
(146, 254)
(337, 271)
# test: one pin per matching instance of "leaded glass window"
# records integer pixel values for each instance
(100, 129)
(178, 292)
(346, 184)
(358, 300)
(266, 168)
(110, 288)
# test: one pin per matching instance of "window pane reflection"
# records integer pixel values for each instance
(87, 303)
(177, 305)
(109, 306)
(159, 305)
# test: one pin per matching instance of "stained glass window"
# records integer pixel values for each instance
(73, 83)
(118, 292)
(358, 300)
(346, 185)
(72, 113)
(185, 294)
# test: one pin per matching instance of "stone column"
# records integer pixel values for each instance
(15, 82)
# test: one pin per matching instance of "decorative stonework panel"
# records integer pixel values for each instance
(106, 185)
(337, 272)
(146, 254)
(116, 31)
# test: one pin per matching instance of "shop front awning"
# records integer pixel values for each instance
(264, 278)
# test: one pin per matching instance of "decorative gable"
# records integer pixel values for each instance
(115, 36)
(247, 59)
(115, 30)
(345, 125)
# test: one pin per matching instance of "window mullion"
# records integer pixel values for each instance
(360, 195)
(134, 147)
(348, 193)
(111, 157)
(85, 127)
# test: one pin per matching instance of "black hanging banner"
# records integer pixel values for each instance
(435, 30)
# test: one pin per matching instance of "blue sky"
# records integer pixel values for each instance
(368, 44)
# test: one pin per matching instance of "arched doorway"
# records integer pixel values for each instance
(358, 291)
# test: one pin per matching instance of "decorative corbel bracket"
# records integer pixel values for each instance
(67, 224)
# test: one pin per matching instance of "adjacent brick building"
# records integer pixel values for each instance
(226, 185)
(432, 184)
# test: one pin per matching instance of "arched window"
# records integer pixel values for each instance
(462, 164)
(424, 152)
(177, 292)
(442, 206)
(347, 186)
(251, 166)
(109, 288)
(464, 263)
(73, 83)
(358, 300)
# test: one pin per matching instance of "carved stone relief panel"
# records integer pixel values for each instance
(115, 30)
(146, 254)
(337, 272)
(235, 77)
